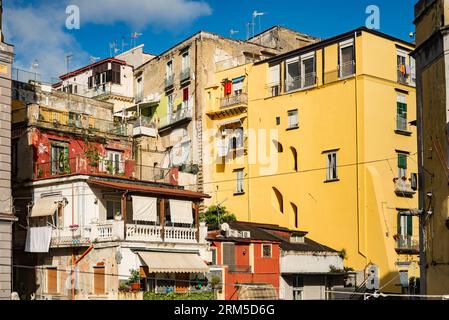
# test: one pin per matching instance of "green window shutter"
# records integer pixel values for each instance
(402, 161)
(402, 110)
(409, 225)
(399, 225)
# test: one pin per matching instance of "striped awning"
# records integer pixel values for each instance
(45, 207)
(257, 291)
(172, 262)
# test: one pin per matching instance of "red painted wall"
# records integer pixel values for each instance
(266, 270)
(41, 144)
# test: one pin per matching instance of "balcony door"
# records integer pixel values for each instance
(347, 58)
(59, 158)
(405, 230)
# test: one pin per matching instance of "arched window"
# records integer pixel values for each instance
(278, 199)
(295, 159)
(295, 214)
(278, 146)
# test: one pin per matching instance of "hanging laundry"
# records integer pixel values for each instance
(38, 239)
(407, 70)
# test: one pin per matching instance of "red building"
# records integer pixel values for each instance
(261, 261)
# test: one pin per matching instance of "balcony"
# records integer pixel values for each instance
(66, 121)
(185, 74)
(157, 233)
(76, 236)
(230, 101)
(303, 82)
(273, 89)
(403, 187)
(406, 78)
(407, 244)
(169, 81)
(183, 113)
(144, 126)
(83, 165)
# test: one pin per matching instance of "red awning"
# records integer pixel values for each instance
(149, 189)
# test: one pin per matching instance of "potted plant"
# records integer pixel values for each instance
(134, 279)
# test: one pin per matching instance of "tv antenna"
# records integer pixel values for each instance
(255, 15)
(134, 37)
(68, 57)
(94, 59)
(248, 30)
(124, 44)
(113, 48)
(232, 32)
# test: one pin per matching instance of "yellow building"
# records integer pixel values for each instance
(319, 139)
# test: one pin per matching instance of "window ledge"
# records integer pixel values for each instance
(333, 180)
(239, 193)
(292, 128)
(403, 132)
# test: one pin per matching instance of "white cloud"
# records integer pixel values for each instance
(142, 13)
(38, 32)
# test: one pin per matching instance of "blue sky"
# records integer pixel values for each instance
(37, 27)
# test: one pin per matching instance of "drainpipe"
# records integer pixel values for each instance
(124, 212)
(357, 153)
(73, 237)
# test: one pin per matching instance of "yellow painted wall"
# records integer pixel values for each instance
(357, 116)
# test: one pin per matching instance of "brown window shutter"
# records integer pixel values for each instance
(52, 280)
(99, 280)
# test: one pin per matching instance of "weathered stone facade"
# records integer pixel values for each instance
(6, 212)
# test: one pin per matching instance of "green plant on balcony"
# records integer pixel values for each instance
(40, 172)
(93, 156)
(134, 279)
(109, 166)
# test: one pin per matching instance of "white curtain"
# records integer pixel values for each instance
(181, 211)
(144, 209)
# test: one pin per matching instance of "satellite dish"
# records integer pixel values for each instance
(224, 227)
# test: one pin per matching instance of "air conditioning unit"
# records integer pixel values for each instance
(246, 234)
(232, 233)
(414, 181)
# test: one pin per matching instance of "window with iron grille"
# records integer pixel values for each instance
(266, 250)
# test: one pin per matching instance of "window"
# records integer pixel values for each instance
(298, 288)
(99, 280)
(279, 147)
(292, 75)
(185, 63)
(139, 90)
(57, 218)
(405, 226)
(402, 165)
(240, 178)
(228, 254)
(331, 172)
(170, 103)
(59, 158)
(214, 256)
(75, 120)
(403, 68)
(115, 163)
(113, 210)
(103, 77)
(185, 97)
(169, 70)
(266, 251)
(295, 159)
(308, 70)
(237, 86)
(274, 80)
(236, 141)
(293, 119)
(347, 62)
(278, 121)
(278, 200)
(295, 214)
(401, 114)
(52, 280)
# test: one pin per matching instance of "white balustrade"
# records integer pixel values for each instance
(176, 234)
(143, 232)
